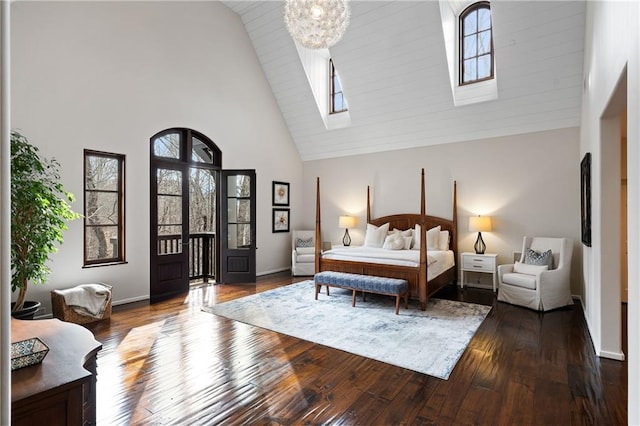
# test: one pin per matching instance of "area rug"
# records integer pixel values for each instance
(429, 342)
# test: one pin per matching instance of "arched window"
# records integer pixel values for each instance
(476, 44)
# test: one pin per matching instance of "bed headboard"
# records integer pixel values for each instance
(409, 220)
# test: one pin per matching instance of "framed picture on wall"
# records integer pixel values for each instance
(585, 198)
(280, 220)
(280, 193)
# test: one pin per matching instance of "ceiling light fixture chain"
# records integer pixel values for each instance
(316, 24)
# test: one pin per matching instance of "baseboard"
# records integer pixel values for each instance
(618, 356)
(577, 296)
(273, 271)
(130, 300)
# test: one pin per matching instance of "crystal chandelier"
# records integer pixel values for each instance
(316, 24)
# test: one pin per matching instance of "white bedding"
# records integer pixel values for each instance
(438, 261)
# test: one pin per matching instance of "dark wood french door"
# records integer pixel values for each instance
(238, 227)
(170, 230)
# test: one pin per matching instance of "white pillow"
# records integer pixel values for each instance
(407, 242)
(524, 268)
(407, 234)
(393, 242)
(443, 242)
(416, 238)
(374, 236)
(305, 250)
(433, 238)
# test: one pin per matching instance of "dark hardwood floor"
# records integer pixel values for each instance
(170, 363)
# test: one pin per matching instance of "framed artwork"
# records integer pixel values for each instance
(280, 220)
(280, 193)
(585, 198)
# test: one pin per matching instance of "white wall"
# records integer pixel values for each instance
(612, 50)
(529, 184)
(109, 75)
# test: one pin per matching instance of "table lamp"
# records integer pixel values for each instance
(346, 222)
(479, 224)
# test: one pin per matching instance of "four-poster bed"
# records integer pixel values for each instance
(416, 274)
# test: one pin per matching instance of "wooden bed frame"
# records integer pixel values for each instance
(416, 275)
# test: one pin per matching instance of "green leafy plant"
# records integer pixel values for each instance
(40, 210)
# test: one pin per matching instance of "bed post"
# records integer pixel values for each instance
(422, 279)
(318, 233)
(454, 237)
(368, 204)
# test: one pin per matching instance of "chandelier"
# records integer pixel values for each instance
(316, 24)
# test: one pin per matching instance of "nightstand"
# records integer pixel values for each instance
(487, 263)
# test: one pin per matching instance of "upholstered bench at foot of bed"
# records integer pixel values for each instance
(364, 283)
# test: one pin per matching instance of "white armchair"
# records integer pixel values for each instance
(303, 259)
(533, 286)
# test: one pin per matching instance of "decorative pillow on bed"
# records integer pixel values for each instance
(443, 241)
(394, 242)
(301, 242)
(532, 257)
(407, 235)
(523, 268)
(433, 238)
(375, 235)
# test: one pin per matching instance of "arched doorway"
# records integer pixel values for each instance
(185, 169)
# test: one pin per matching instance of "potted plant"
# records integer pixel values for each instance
(40, 210)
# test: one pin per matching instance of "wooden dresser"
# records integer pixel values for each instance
(61, 390)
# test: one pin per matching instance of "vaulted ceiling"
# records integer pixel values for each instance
(393, 67)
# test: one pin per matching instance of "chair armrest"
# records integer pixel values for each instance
(504, 269)
(553, 277)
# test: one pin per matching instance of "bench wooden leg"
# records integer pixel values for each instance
(327, 289)
(318, 286)
(353, 299)
(397, 303)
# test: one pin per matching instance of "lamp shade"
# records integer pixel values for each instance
(480, 224)
(346, 222)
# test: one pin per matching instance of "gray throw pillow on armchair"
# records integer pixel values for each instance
(532, 257)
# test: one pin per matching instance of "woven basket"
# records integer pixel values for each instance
(66, 313)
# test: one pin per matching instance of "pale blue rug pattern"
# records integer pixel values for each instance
(429, 342)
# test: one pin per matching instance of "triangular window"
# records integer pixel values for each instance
(337, 102)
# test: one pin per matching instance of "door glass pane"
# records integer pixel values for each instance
(169, 203)
(232, 210)
(244, 211)
(169, 182)
(167, 146)
(202, 200)
(244, 235)
(239, 186)
(239, 212)
(200, 152)
(169, 239)
(169, 210)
